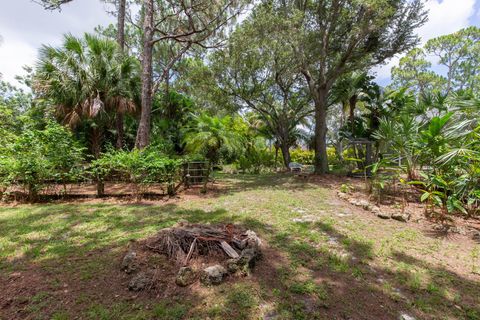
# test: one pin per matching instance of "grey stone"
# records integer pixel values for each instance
(353, 202)
(404, 316)
(129, 262)
(365, 204)
(360, 203)
(305, 219)
(213, 275)
(460, 230)
(233, 265)
(403, 217)
(343, 214)
(333, 240)
(249, 256)
(271, 315)
(342, 195)
(139, 282)
(240, 244)
(253, 240)
(185, 277)
(375, 209)
(383, 215)
(245, 262)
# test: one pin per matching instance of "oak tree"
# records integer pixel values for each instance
(330, 38)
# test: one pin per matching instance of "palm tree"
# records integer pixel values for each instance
(211, 134)
(348, 90)
(88, 79)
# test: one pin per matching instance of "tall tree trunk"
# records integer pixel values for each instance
(96, 141)
(143, 133)
(32, 192)
(121, 24)
(339, 149)
(352, 105)
(120, 132)
(276, 156)
(286, 154)
(121, 43)
(321, 160)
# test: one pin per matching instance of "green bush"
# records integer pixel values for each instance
(142, 168)
(302, 156)
(255, 160)
(37, 157)
(64, 153)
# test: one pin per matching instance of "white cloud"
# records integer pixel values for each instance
(444, 17)
(14, 55)
(23, 36)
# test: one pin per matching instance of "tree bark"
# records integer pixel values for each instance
(120, 131)
(121, 43)
(339, 149)
(121, 24)
(286, 154)
(276, 156)
(32, 193)
(143, 133)
(321, 160)
(352, 105)
(96, 141)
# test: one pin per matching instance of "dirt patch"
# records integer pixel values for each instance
(39, 291)
(405, 201)
(115, 193)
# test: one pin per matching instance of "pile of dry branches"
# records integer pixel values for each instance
(185, 241)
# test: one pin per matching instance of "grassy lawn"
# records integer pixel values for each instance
(61, 261)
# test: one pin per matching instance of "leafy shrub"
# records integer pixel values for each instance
(36, 157)
(440, 155)
(28, 166)
(302, 156)
(255, 159)
(63, 152)
(142, 168)
(346, 188)
(307, 157)
(213, 136)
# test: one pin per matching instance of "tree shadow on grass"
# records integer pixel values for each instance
(440, 286)
(357, 288)
(55, 231)
(308, 271)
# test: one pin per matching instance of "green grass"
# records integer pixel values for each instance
(170, 312)
(317, 262)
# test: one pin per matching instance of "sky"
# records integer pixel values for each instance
(444, 17)
(25, 26)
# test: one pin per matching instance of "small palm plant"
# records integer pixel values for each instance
(210, 135)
